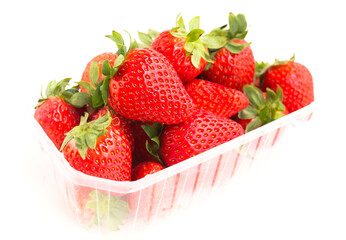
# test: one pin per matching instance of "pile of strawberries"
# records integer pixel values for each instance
(176, 94)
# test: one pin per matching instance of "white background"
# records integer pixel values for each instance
(299, 195)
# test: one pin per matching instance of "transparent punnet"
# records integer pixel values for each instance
(110, 206)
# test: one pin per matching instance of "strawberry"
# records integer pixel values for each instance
(145, 168)
(187, 52)
(95, 81)
(216, 98)
(55, 115)
(173, 48)
(264, 108)
(97, 61)
(201, 132)
(146, 87)
(118, 121)
(98, 148)
(233, 64)
(295, 81)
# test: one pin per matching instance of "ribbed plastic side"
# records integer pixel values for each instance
(194, 184)
(104, 207)
(178, 191)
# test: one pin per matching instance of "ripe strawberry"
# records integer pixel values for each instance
(144, 168)
(99, 59)
(54, 114)
(118, 121)
(233, 64)
(184, 49)
(264, 108)
(146, 87)
(218, 99)
(98, 148)
(198, 134)
(295, 81)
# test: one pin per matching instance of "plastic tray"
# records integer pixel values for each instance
(142, 202)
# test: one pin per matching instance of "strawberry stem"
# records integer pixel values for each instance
(262, 109)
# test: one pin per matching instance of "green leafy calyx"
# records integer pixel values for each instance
(237, 29)
(222, 37)
(237, 26)
(154, 133)
(86, 134)
(282, 62)
(147, 38)
(193, 42)
(57, 89)
(110, 211)
(262, 109)
(119, 41)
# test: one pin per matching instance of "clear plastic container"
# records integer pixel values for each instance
(109, 206)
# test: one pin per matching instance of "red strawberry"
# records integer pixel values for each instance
(145, 168)
(233, 64)
(111, 57)
(173, 48)
(146, 87)
(185, 50)
(218, 99)
(198, 134)
(54, 114)
(118, 121)
(98, 148)
(264, 108)
(295, 81)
